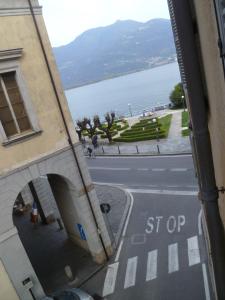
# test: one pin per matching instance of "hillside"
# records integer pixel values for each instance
(123, 47)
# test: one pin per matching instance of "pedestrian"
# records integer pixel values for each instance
(89, 150)
(34, 214)
(95, 141)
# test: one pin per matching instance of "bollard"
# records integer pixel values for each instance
(103, 150)
(137, 149)
(158, 149)
(118, 149)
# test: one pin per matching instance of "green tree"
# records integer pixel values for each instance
(176, 96)
(107, 126)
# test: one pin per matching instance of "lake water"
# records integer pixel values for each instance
(142, 90)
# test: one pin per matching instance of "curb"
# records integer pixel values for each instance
(142, 155)
(126, 210)
(118, 235)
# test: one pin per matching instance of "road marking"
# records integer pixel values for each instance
(152, 265)
(129, 213)
(145, 156)
(130, 276)
(138, 239)
(178, 170)
(110, 279)
(206, 283)
(143, 169)
(109, 168)
(193, 251)
(118, 251)
(173, 263)
(158, 170)
(163, 192)
(108, 183)
(200, 222)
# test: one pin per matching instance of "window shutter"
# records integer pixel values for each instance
(220, 11)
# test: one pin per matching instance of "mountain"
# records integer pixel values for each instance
(123, 47)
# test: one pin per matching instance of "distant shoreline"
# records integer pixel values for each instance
(119, 75)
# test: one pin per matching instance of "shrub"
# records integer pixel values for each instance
(137, 138)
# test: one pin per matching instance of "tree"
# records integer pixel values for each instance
(87, 125)
(106, 127)
(176, 96)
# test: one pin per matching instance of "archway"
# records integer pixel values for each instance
(56, 240)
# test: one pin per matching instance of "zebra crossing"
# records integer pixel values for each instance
(152, 271)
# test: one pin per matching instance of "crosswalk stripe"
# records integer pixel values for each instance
(152, 265)
(173, 262)
(110, 279)
(130, 276)
(193, 251)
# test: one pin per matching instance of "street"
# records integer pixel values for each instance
(161, 254)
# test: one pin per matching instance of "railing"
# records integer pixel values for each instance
(162, 147)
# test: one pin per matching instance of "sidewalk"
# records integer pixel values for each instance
(175, 127)
(50, 250)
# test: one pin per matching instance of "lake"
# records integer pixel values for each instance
(141, 90)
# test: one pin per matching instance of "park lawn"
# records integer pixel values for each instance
(165, 122)
(185, 119)
(185, 132)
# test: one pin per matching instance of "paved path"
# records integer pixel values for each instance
(175, 127)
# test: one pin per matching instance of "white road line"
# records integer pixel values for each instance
(108, 183)
(144, 157)
(130, 276)
(193, 251)
(163, 192)
(143, 169)
(129, 213)
(158, 170)
(152, 265)
(118, 251)
(109, 168)
(178, 169)
(206, 283)
(173, 262)
(110, 279)
(200, 222)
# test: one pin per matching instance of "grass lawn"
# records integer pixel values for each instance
(165, 122)
(185, 119)
(185, 132)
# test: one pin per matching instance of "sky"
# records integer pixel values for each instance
(66, 19)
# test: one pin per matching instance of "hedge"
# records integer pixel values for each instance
(139, 125)
(137, 133)
(104, 136)
(139, 138)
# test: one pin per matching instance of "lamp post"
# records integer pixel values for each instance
(130, 110)
(183, 102)
(157, 133)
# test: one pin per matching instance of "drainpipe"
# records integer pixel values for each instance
(66, 126)
(186, 31)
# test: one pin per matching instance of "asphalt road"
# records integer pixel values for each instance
(161, 255)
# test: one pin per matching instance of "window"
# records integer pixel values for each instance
(13, 115)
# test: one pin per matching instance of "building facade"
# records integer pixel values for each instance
(199, 27)
(38, 142)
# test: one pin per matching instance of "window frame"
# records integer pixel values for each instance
(9, 62)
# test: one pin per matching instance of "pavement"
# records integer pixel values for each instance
(59, 251)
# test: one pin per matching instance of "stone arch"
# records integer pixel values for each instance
(62, 170)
